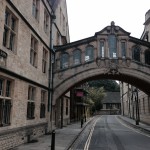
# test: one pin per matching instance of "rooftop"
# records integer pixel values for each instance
(111, 97)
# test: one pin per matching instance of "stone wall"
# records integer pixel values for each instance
(129, 104)
(17, 136)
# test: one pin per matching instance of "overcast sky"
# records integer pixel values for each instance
(89, 16)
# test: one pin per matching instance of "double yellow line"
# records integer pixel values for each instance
(86, 147)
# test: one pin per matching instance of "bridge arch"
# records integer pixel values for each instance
(127, 62)
(132, 76)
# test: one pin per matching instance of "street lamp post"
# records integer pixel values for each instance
(137, 119)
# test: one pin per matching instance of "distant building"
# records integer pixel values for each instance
(79, 107)
(136, 103)
(111, 103)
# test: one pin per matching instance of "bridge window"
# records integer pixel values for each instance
(112, 46)
(123, 49)
(136, 53)
(76, 57)
(102, 49)
(89, 53)
(64, 61)
(147, 57)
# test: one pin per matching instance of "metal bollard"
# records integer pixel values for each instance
(81, 122)
(53, 140)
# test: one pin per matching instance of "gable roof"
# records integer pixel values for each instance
(111, 97)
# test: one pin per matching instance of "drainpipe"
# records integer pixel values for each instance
(122, 100)
(50, 80)
(129, 110)
(62, 114)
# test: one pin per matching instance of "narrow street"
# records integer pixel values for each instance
(109, 133)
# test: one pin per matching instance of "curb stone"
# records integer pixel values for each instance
(73, 141)
(134, 126)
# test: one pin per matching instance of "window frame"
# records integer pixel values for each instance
(102, 49)
(43, 104)
(46, 21)
(64, 60)
(123, 49)
(112, 46)
(89, 49)
(44, 60)
(76, 57)
(5, 102)
(136, 54)
(147, 57)
(10, 31)
(31, 102)
(33, 51)
(35, 9)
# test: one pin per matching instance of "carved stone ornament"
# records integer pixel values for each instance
(100, 62)
(112, 29)
(112, 67)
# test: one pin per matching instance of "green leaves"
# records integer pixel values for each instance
(95, 96)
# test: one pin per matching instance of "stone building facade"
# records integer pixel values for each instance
(136, 103)
(28, 31)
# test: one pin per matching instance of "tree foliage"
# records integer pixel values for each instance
(108, 85)
(95, 96)
(96, 92)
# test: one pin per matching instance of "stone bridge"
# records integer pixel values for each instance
(110, 54)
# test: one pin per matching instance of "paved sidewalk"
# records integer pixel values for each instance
(142, 127)
(63, 138)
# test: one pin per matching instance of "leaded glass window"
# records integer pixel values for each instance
(136, 53)
(43, 106)
(123, 49)
(8, 88)
(10, 28)
(102, 53)
(89, 53)
(5, 102)
(147, 57)
(76, 57)
(31, 102)
(33, 51)
(64, 61)
(112, 41)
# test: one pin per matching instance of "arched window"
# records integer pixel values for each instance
(112, 41)
(147, 57)
(76, 57)
(64, 60)
(136, 53)
(89, 53)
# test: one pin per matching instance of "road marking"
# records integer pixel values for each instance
(86, 147)
(135, 130)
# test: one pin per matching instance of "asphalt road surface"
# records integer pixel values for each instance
(109, 133)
